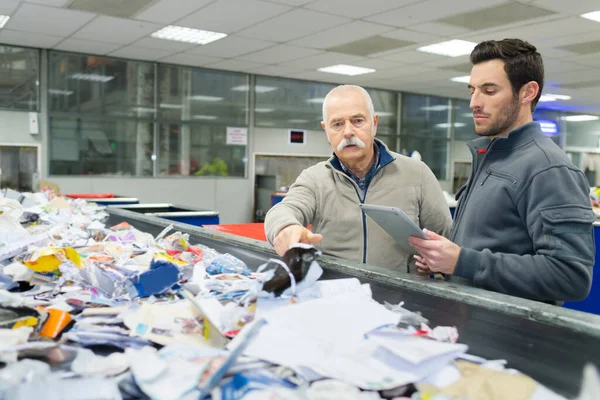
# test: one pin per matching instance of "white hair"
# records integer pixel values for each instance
(340, 88)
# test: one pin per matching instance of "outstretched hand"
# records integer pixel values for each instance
(293, 234)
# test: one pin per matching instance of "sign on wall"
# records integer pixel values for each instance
(296, 136)
(237, 136)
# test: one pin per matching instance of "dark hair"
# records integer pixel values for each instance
(522, 62)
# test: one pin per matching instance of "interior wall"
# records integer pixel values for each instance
(229, 196)
(14, 128)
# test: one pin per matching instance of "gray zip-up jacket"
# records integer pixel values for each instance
(524, 219)
(324, 196)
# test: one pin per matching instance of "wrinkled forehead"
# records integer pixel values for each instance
(346, 105)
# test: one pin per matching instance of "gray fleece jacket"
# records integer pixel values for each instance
(524, 220)
(324, 196)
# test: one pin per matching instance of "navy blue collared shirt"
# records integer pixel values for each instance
(363, 183)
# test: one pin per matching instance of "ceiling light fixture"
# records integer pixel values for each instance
(343, 69)
(447, 125)
(450, 48)
(462, 79)
(91, 77)
(581, 118)
(171, 106)
(594, 16)
(3, 20)
(316, 100)
(60, 92)
(187, 35)
(205, 98)
(205, 117)
(298, 121)
(384, 113)
(435, 108)
(553, 97)
(257, 88)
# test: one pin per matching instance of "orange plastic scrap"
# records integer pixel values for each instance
(122, 225)
(49, 259)
(57, 321)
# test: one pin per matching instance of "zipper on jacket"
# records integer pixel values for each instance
(486, 178)
(502, 175)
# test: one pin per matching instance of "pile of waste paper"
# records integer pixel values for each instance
(90, 311)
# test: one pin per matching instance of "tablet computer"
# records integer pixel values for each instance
(395, 222)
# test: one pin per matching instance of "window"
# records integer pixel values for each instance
(19, 77)
(426, 129)
(288, 103)
(202, 95)
(86, 146)
(106, 119)
(464, 127)
(196, 106)
(199, 150)
(99, 85)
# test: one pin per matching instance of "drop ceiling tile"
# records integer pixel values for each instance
(546, 31)
(568, 7)
(322, 60)
(169, 11)
(116, 30)
(86, 46)
(229, 16)
(324, 77)
(274, 70)
(194, 60)
(449, 62)
(376, 63)
(19, 38)
(293, 3)
(140, 53)
(438, 29)
(429, 10)
(51, 3)
(412, 36)
(357, 9)
(590, 60)
(7, 7)
(500, 15)
(581, 76)
(372, 45)
(341, 34)
(163, 44)
(413, 57)
(293, 25)
(279, 53)
(403, 70)
(235, 64)
(48, 20)
(231, 46)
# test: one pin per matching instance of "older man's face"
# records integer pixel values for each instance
(350, 127)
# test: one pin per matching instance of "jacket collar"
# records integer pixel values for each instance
(515, 138)
(385, 156)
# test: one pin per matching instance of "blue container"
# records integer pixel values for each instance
(175, 213)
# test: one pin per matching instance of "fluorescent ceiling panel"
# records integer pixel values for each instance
(343, 69)
(450, 48)
(187, 35)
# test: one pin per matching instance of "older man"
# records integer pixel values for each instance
(361, 170)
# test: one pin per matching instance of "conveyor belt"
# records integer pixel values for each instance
(551, 352)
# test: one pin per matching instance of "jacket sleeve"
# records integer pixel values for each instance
(297, 207)
(556, 209)
(434, 213)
